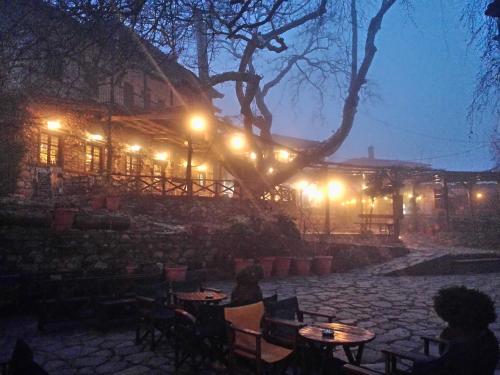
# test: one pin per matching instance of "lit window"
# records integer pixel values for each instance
(49, 149)
(132, 164)
(157, 169)
(93, 158)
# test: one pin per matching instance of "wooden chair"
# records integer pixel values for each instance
(189, 343)
(289, 310)
(153, 313)
(246, 340)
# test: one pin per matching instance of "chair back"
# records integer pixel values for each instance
(284, 309)
(186, 286)
(248, 316)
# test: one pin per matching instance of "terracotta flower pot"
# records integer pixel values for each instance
(241, 263)
(267, 265)
(98, 202)
(282, 266)
(322, 265)
(131, 268)
(175, 273)
(63, 219)
(301, 266)
(113, 202)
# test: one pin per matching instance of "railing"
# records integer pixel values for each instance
(77, 183)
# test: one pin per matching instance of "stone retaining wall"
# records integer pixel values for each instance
(168, 231)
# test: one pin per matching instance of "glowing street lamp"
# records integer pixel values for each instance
(238, 142)
(197, 123)
(479, 195)
(335, 189)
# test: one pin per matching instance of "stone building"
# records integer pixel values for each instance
(103, 105)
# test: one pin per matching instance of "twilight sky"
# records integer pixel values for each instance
(424, 76)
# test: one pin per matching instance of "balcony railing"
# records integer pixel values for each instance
(77, 183)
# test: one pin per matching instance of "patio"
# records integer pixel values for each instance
(397, 309)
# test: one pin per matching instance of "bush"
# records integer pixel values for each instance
(465, 308)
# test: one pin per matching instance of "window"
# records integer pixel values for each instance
(128, 95)
(132, 164)
(157, 169)
(49, 150)
(93, 158)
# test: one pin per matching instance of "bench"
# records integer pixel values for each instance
(385, 223)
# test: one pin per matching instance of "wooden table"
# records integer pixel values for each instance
(200, 297)
(345, 335)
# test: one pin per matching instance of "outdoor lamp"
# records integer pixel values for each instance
(335, 189)
(134, 148)
(53, 124)
(197, 123)
(237, 142)
(161, 156)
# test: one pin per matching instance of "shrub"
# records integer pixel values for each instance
(465, 308)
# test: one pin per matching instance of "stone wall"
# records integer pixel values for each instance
(161, 231)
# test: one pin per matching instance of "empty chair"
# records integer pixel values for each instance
(246, 340)
(153, 314)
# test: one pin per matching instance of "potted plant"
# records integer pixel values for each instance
(241, 238)
(175, 272)
(63, 218)
(131, 268)
(112, 199)
(290, 240)
(301, 266)
(322, 264)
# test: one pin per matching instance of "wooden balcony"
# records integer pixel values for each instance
(78, 184)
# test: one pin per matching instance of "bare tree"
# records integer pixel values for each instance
(262, 30)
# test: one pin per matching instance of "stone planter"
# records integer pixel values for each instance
(322, 265)
(113, 202)
(63, 219)
(301, 266)
(241, 263)
(267, 265)
(282, 266)
(175, 273)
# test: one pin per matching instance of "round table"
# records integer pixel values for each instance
(345, 335)
(200, 297)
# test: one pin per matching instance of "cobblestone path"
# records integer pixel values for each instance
(398, 309)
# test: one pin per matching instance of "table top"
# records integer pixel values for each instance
(200, 296)
(343, 334)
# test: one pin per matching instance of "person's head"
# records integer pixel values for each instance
(465, 308)
(250, 275)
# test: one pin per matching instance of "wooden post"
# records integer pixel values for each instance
(446, 203)
(189, 177)
(397, 204)
(327, 205)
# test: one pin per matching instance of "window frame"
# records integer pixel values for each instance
(50, 144)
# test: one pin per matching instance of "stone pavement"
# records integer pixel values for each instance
(398, 309)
